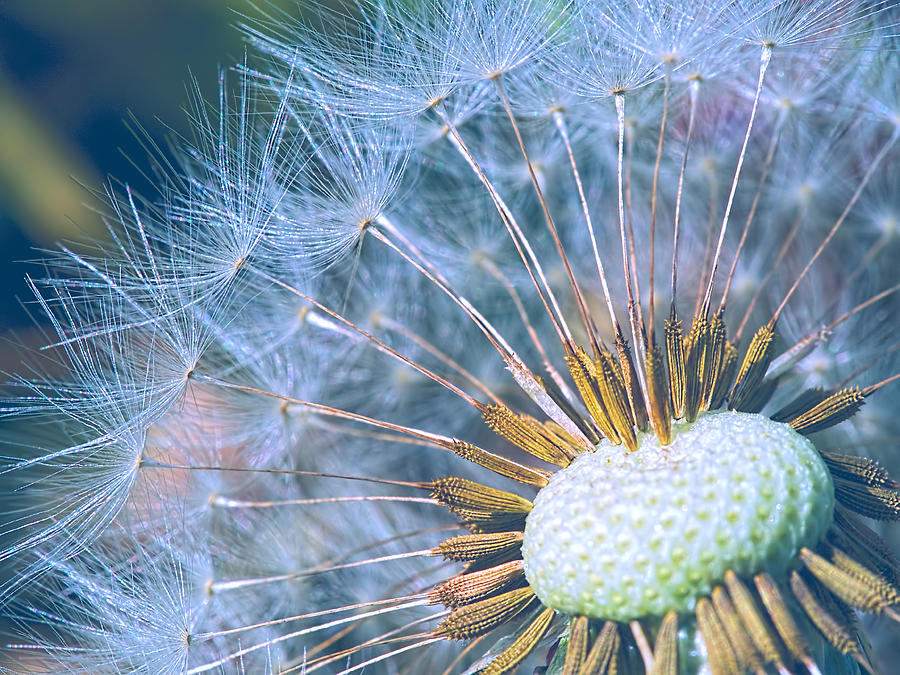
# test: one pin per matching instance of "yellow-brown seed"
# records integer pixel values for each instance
(722, 659)
(758, 398)
(584, 374)
(612, 390)
(753, 367)
(714, 359)
(843, 561)
(603, 657)
(675, 363)
(468, 588)
(778, 610)
(501, 465)
(805, 401)
(658, 395)
(746, 652)
(665, 650)
(696, 362)
(562, 439)
(880, 503)
(470, 547)
(470, 621)
(836, 631)
(725, 377)
(839, 406)
(526, 433)
(584, 425)
(522, 646)
(576, 649)
(873, 549)
(863, 594)
(757, 627)
(464, 494)
(858, 469)
(632, 384)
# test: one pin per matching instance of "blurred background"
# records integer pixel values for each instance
(71, 74)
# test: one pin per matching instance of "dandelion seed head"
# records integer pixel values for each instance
(481, 335)
(236, 177)
(605, 67)
(349, 182)
(390, 62)
(793, 25)
(140, 619)
(499, 36)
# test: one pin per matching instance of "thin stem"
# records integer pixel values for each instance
(874, 250)
(525, 379)
(767, 164)
(437, 439)
(792, 233)
(229, 503)
(390, 637)
(764, 60)
(519, 240)
(155, 464)
(875, 387)
(459, 657)
(840, 221)
(520, 372)
(510, 289)
(364, 433)
(206, 667)
(235, 584)
(632, 309)
(430, 272)
(864, 367)
(311, 615)
(654, 194)
(632, 256)
(693, 91)
(388, 655)
(560, 121)
(551, 226)
(381, 346)
(417, 339)
(709, 246)
(803, 347)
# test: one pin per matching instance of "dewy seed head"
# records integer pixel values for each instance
(622, 535)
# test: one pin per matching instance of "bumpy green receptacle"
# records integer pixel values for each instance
(621, 535)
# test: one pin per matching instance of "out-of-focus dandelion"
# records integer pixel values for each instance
(480, 336)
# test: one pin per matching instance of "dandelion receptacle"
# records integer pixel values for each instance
(484, 336)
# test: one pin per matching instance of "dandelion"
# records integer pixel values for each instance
(513, 335)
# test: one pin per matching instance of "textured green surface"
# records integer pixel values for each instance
(621, 535)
